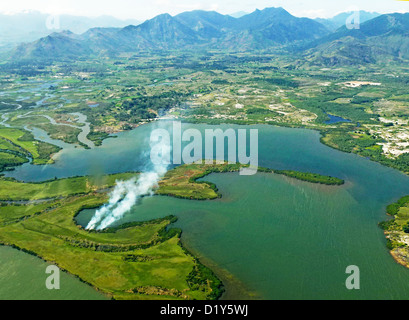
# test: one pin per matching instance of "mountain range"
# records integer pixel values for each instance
(189, 30)
(31, 25)
(380, 37)
(339, 20)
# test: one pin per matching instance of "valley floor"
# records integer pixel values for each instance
(83, 104)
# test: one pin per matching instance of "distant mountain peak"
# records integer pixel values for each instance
(67, 32)
(340, 19)
(161, 17)
(384, 38)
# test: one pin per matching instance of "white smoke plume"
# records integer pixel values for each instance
(127, 193)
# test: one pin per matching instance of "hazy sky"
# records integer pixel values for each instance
(145, 9)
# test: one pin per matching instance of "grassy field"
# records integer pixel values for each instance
(6, 145)
(136, 261)
(10, 214)
(11, 139)
(13, 190)
(15, 136)
(8, 160)
(182, 181)
(140, 262)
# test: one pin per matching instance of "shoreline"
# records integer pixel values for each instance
(398, 259)
(234, 288)
(105, 293)
(396, 231)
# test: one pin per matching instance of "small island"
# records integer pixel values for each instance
(307, 176)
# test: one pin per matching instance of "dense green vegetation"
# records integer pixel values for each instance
(141, 108)
(98, 137)
(397, 230)
(183, 182)
(13, 190)
(9, 160)
(120, 93)
(364, 144)
(393, 209)
(311, 177)
(200, 278)
(338, 102)
(282, 82)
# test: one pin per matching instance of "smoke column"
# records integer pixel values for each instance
(127, 193)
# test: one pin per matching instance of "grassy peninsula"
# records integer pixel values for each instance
(22, 145)
(182, 182)
(135, 261)
(143, 260)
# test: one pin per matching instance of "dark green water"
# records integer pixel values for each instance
(22, 277)
(282, 238)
